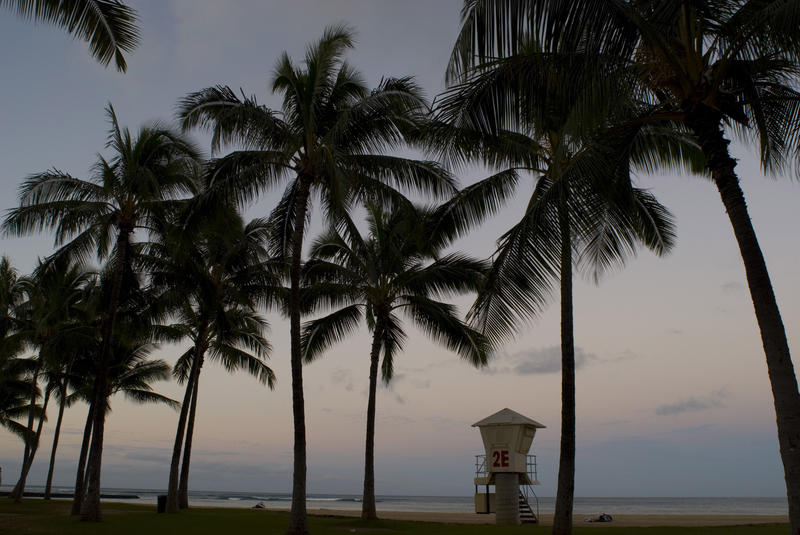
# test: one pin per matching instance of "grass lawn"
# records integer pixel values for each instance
(38, 517)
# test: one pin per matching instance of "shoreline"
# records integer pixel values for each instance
(638, 520)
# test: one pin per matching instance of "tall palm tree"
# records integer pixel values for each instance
(59, 381)
(125, 194)
(89, 315)
(584, 211)
(131, 372)
(234, 339)
(14, 388)
(109, 26)
(397, 268)
(45, 318)
(32, 436)
(217, 273)
(70, 372)
(715, 67)
(333, 137)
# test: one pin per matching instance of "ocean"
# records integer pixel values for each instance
(464, 504)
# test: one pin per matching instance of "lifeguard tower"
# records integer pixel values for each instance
(506, 466)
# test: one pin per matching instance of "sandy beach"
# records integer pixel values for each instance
(619, 520)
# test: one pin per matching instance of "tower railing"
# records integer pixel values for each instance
(530, 467)
(480, 466)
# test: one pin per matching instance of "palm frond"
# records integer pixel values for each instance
(232, 120)
(392, 339)
(440, 321)
(241, 175)
(141, 397)
(472, 206)
(424, 177)
(449, 275)
(524, 268)
(319, 334)
(233, 358)
(109, 26)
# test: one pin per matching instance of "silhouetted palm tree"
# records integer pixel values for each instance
(45, 318)
(217, 273)
(130, 369)
(712, 67)
(109, 26)
(15, 388)
(148, 170)
(397, 268)
(10, 296)
(579, 143)
(58, 382)
(69, 373)
(131, 374)
(333, 137)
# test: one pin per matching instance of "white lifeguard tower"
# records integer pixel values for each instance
(506, 465)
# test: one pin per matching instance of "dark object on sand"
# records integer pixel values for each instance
(259, 505)
(162, 503)
(602, 517)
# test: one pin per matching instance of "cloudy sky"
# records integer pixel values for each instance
(673, 397)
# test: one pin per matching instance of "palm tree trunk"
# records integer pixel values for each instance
(298, 521)
(368, 511)
(49, 485)
(562, 520)
(77, 496)
(90, 509)
(707, 126)
(19, 489)
(90, 503)
(183, 485)
(172, 487)
(32, 409)
(16, 493)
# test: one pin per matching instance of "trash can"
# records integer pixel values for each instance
(162, 503)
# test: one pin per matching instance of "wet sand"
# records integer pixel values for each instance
(619, 520)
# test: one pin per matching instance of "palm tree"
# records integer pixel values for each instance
(89, 316)
(102, 214)
(10, 296)
(58, 383)
(233, 338)
(130, 371)
(714, 67)
(70, 372)
(398, 267)
(32, 437)
(584, 212)
(15, 390)
(45, 319)
(332, 137)
(131, 374)
(109, 26)
(216, 273)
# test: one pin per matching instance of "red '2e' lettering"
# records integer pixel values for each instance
(500, 458)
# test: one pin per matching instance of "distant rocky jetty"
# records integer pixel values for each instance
(69, 495)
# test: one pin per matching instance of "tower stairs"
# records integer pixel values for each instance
(526, 514)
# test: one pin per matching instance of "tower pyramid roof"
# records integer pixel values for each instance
(506, 417)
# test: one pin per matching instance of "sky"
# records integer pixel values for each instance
(673, 397)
